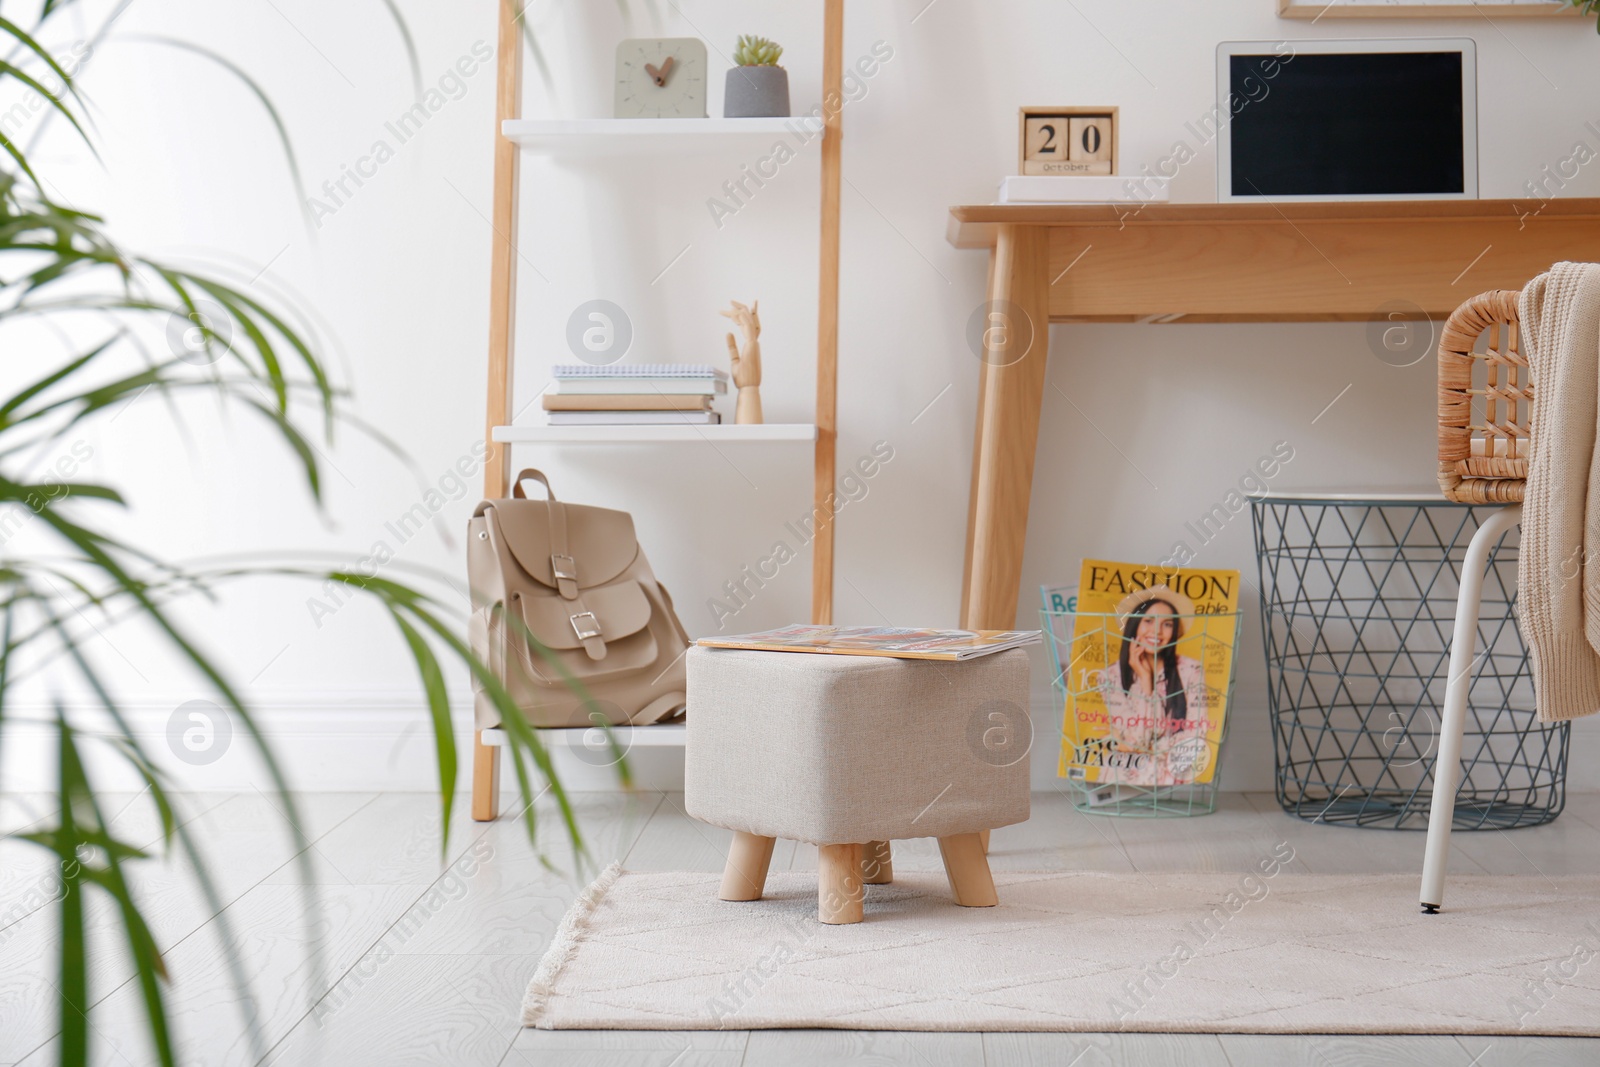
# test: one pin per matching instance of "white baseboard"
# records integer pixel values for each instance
(337, 742)
(340, 742)
(322, 743)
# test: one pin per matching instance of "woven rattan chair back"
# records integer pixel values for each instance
(1485, 403)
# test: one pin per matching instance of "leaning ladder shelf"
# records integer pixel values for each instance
(604, 137)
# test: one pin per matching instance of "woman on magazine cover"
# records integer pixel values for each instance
(1156, 700)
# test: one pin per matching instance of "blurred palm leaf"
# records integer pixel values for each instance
(59, 266)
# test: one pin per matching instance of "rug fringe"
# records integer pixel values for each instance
(574, 925)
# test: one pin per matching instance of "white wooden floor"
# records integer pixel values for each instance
(423, 964)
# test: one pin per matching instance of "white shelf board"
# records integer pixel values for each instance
(667, 735)
(667, 434)
(602, 137)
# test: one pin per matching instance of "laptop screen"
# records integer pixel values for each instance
(1348, 124)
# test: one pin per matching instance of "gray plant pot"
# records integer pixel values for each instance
(756, 92)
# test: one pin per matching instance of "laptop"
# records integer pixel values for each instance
(1347, 120)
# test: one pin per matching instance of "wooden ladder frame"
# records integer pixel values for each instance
(503, 308)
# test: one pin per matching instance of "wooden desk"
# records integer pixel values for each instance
(1208, 263)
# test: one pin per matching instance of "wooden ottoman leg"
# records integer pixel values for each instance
(485, 779)
(983, 836)
(839, 891)
(745, 876)
(877, 863)
(968, 870)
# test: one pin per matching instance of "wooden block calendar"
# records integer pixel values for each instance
(1067, 140)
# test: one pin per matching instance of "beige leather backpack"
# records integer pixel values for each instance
(575, 580)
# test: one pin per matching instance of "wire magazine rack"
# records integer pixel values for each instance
(1143, 773)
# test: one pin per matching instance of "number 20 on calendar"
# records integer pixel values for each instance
(1068, 140)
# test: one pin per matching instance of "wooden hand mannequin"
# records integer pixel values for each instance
(746, 362)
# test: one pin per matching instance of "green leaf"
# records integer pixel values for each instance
(297, 441)
(23, 396)
(72, 1000)
(27, 79)
(531, 40)
(49, 493)
(410, 47)
(262, 98)
(439, 708)
(130, 748)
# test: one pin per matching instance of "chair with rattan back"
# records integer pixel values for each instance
(1485, 439)
(1485, 403)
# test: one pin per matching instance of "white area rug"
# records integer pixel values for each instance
(1073, 951)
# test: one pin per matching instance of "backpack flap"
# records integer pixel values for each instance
(609, 613)
(555, 592)
(599, 543)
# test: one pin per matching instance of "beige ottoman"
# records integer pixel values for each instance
(852, 752)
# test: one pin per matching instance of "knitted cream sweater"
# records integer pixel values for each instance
(1558, 578)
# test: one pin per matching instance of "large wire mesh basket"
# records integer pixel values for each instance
(1358, 599)
(1149, 766)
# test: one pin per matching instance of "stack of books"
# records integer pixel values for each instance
(640, 394)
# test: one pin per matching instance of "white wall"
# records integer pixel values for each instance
(397, 279)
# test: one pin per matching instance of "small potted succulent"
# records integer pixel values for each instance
(757, 87)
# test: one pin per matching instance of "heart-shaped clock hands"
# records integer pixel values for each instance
(659, 75)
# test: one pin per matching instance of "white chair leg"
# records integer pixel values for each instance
(1463, 649)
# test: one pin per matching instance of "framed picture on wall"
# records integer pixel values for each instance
(1417, 9)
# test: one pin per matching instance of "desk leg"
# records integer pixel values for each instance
(1009, 394)
(977, 447)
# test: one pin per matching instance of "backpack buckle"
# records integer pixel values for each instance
(585, 625)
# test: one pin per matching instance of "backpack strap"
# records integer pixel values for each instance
(538, 476)
(562, 563)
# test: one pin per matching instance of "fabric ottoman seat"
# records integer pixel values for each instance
(851, 752)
